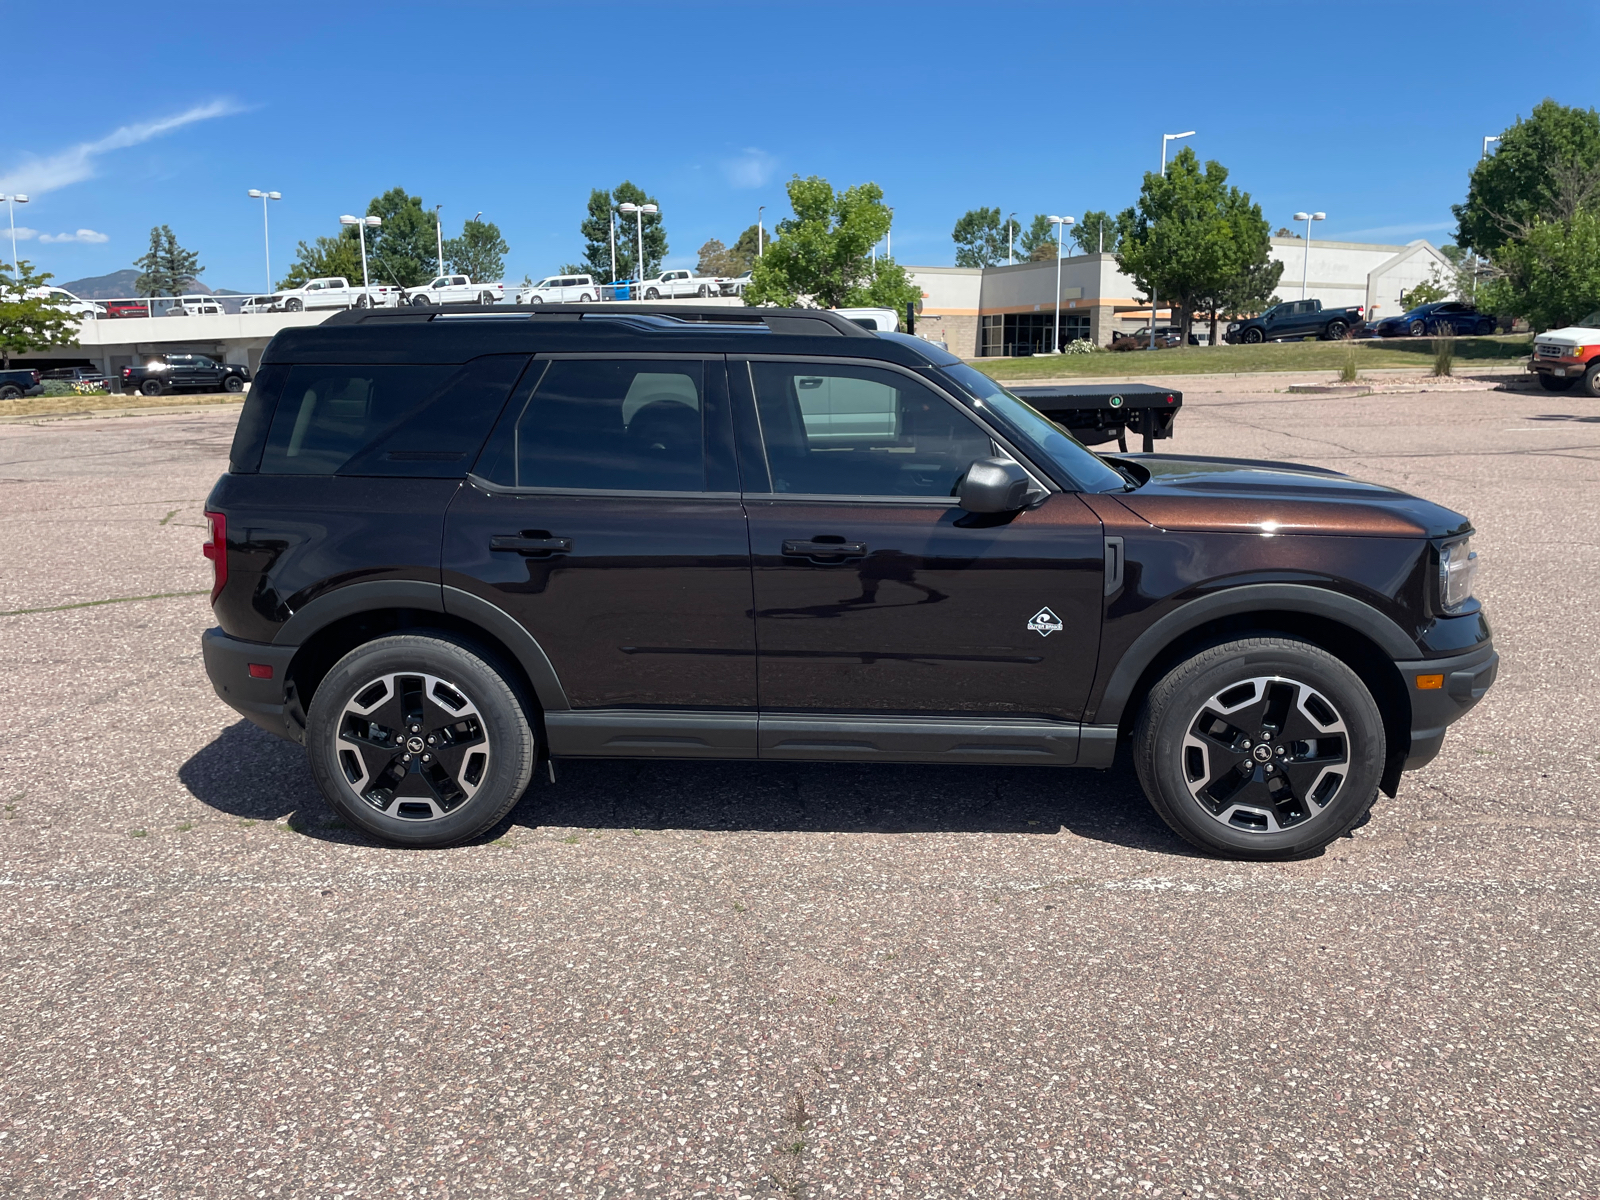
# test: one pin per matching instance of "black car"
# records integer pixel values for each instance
(449, 547)
(19, 382)
(166, 373)
(1441, 317)
(1293, 320)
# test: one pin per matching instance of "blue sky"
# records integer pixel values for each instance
(169, 112)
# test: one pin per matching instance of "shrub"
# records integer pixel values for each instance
(1444, 353)
(1081, 346)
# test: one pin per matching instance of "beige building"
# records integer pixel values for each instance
(1002, 311)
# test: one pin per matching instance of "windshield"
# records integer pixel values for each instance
(1592, 321)
(1080, 464)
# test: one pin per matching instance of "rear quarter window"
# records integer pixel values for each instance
(424, 420)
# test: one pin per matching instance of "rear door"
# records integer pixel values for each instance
(605, 517)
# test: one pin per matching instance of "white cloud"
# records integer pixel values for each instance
(88, 236)
(77, 163)
(24, 234)
(752, 169)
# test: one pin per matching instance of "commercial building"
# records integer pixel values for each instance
(1002, 311)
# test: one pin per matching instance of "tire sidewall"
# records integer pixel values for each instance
(506, 719)
(1158, 742)
(1591, 381)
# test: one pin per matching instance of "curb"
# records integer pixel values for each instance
(86, 414)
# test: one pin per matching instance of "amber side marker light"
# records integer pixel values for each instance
(1429, 683)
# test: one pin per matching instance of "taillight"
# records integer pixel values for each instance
(126, 371)
(216, 549)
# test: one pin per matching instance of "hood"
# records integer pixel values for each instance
(1574, 335)
(1226, 495)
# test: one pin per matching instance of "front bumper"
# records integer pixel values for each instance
(1554, 366)
(1466, 677)
(264, 701)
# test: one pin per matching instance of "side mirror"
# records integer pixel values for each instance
(994, 485)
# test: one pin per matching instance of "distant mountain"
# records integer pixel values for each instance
(119, 285)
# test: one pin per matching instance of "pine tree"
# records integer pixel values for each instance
(166, 268)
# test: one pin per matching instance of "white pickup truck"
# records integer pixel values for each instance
(335, 291)
(561, 289)
(678, 283)
(455, 289)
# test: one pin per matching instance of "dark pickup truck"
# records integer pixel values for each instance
(1296, 319)
(184, 373)
(16, 384)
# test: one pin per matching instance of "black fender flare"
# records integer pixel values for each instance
(1359, 617)
(377, 594)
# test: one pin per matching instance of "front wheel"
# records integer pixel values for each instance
(1484, 328)
(420, 741)
(1417, 329)
(233, 384)
(294, 304)
(150, 387)
(1555, 383)
(1254, 337)
(1260, 748)
(1591, 380)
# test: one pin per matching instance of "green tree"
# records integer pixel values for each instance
(1096, 233)
(746, 249)
(596, 230)
(717, 259)
(1551, 277)
(1191, 237)
(980, 238)
(1038, 241)
(1427, 292)
(325, 256)
(166, 268)
(30, 320)
(404, 250)
(1546, 168)
(821, 257)
(713, 259)
(479, 253)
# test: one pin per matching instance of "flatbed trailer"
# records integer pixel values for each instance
(1097, 412)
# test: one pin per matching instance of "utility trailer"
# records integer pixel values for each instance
(1097, 412)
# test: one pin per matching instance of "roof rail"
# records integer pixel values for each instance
(808, 322)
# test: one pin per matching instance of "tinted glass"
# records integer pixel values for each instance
(425, 421)
(861, 431)
(610, 425)
(250, 435)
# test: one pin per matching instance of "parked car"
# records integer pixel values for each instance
(1296, 319)
(435, 589)
(1563, 357)
(561, 289)
(454, 289)
(127, 308)
(1444, 316)
(261, 304)
(1167, 338)
(335, 291)
(76, 375)
(166, 373)
(194, 306)
(678, 283)
(735, 285)
(20, 382)
(83, 308)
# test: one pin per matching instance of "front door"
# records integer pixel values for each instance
(875, 593)
(604, 516)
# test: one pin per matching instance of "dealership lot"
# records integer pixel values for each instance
(680, 979)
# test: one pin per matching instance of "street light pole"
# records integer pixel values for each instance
(255, 194)
(1486, 141)
(1061, 223)
(611, 220)
(888, 248)
(438, 235)
(1305, 264)
(638, 211)
(1011, 242)
(11, 203)
(1165, 138)
(362, 224)
(761, 246)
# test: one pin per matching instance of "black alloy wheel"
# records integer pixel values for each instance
(233, 384)
(1484, 328)
(420, 740)
(1556, 383)
(1417, 328)
(150, 387)
(1261, 748)
(1254, 337)
(1336, 331)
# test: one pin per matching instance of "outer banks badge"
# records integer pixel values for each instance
(1044, 623)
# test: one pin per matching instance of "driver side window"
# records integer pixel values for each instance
(861, 431)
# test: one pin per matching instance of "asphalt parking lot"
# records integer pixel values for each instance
(682, 980)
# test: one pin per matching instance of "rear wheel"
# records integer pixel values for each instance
(420, 741)
(150, 387)
(1555, 383)
(586, 299)
(652, 294)
(10, 391)
(363, 301)
(1260, 748)
(419, 302)
(1336, 330)
(1254, 337)
(703, 292)
(486, 298)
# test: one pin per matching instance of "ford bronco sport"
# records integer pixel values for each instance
(450, 545)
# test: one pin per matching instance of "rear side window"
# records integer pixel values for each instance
(421, 421)
(250, 435)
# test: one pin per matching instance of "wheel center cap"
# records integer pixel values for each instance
(1261, 753)
(415, 745)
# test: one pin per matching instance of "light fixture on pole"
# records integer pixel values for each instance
(256, 194)
(1011, 241)
(761, 248)
(611, 220)
(1490, 138)
(363, 224)
(1305, 263)
(638, 211)
(438, 235)
(11, 203)
(1060, 223)
(1165, 138)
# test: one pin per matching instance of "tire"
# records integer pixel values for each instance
(363, 301)
(1252, 337)
(1335, 331)
(419, 302)
(485, 297)
(652, 294)
(1591, 381)
(449, 688)
(150, 387)
(535, 299)
(1555, 383)
(294, 304)
(703, 292)
(1417, 329)
(586, 299)
(10, 391)
(1315, 723)
(1483, 328)
(233, 384)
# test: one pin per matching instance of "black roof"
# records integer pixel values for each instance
(462, 332)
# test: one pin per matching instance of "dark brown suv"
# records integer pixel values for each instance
(452, 544)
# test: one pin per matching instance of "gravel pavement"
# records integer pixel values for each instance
(763, 980)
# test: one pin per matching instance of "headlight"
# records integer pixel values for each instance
(1458, 563)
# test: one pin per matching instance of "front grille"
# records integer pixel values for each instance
(1546, 350)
